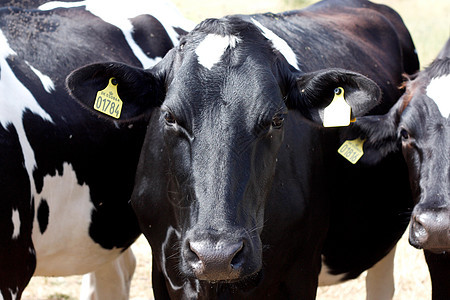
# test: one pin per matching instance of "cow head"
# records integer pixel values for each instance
(222, 98)
(419, 125)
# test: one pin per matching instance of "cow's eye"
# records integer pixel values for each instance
(277, 121)
(404, 134)
(169, 118)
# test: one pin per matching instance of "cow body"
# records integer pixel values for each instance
(66, 175)
(418, 125)
(247, 183)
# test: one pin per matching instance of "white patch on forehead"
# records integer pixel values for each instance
(438, 91)
(279, 44)
(46, 81)
(213, 46)
(119, 13)
(16, 224)
(15, 99)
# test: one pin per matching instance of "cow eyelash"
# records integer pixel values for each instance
(169, 118)
(278, 121)
(404, 134)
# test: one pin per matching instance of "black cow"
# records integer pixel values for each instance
(235, 184)
(418, 125)
(66, 176)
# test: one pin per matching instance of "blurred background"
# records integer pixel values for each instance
(429, 24)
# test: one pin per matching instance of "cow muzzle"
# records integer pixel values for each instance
(430, 230)
(221, 259)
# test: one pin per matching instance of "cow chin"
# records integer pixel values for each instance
(221, 258)
(436, 249)
(439, 251)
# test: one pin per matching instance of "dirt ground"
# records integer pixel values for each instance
(411, 279)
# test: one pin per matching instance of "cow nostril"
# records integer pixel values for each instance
(418, 226)
(238, 258)
(419, 229)
(193, 253)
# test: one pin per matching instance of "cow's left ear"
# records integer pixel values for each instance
(312, 92)
(116, 90)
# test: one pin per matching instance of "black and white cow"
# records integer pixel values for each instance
(237, 190)
(66, 176)
(418, 126)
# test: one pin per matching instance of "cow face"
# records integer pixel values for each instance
(222, 129)
(211, 149)
(419, 125)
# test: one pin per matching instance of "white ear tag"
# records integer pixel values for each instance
(338, 113)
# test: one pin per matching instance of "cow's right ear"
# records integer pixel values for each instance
(380, 133)
(97, 86)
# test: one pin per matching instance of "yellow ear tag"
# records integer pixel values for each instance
(107, 101)
(352, 150)
(338, 113)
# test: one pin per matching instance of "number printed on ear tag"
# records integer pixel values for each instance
(352, 150)
(107, 100)
(338, 113)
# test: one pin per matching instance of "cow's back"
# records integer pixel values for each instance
(409, 60)
(343, 33)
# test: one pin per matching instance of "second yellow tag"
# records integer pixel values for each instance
(352, 150)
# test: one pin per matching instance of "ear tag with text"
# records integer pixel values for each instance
(352, 150)
(338, 113)
(107, 100)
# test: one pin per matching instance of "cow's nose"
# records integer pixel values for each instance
(216, 261)
(430, 230)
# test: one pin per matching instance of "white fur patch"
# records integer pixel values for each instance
(46, 81)
(65, 247)
(119, 13)
(438, 91)
(16, 224)
(326, 278)
(279, 44)
(15, 98)
(213, 46)
(13, 294)
(5, 49)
